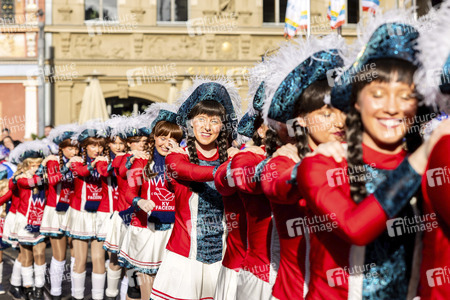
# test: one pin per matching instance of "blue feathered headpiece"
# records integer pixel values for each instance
(62, 132)
(390, 35)
(300, 63)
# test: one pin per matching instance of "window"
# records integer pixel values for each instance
(172, 10)
(7, 10)
(352, 11)
(274, 11)
(100, 10)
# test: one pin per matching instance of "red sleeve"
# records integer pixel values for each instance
(117, 161)
(53, 174)
(360, 223)
(29, 183)
(221, 181)
(11, 184)
(5, 198)
(102, 168)
(122, 171)
(437, 183)
(243, 167)
(135, 180)
(275, 186)
(80, 169)
(179, 167)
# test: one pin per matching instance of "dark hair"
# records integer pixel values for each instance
(387, 70)
(310, 100)
(64, 144)
(162, 128)
(272, 142)
(9, 137)
(91, 141)
(107, 149)
(257, 140)
(135, 139)
(51, 126)
(5, 129)
(210, 108)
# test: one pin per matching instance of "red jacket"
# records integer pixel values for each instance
(260, 260)
(435, 268)
(236, 220)
(185, 235)
(110, 194)
(353, 224)
(87, 186)
(57, 184)
(287, 207)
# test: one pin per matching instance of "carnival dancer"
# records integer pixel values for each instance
(310, 121)
(435, 55)
(58, 193)
(10, 236)
(257, 221)
(135, 131)
(251, 127)
(196, 246)
(382, 179)
(29, 216)
(154, 206)
(110, 204)
(80, 220)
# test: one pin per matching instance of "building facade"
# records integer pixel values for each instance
(148, 51)
(18, 58)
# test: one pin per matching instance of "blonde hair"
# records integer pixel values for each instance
(19, 170)
(4, 183)
(28, 161)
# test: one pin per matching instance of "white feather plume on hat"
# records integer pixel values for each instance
(153, 110)
(36, 146)
(434, 46)
(60, 129)
(294, 52)
(117, 125)
(94, 125)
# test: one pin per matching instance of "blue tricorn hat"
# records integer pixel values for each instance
(246, 126)
(92, 128)
(62, 132)
(390, 40)
(161, 112)
(32, 149)
(300, 63)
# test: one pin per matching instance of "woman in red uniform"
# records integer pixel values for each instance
(371, 262)
(134, 132)
(195, 248)
(146, 238)
(435, 55)
(29, 217)
(312, 122)
(250, 126)
(80, 219)
(249, 168)
(59, 189)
